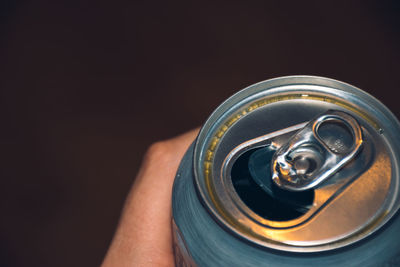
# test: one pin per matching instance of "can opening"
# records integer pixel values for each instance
(252, 179)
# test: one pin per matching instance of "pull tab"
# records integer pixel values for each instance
(317, 151)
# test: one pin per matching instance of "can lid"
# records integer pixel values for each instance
(347, 177)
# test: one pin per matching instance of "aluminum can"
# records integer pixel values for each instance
(293, 171)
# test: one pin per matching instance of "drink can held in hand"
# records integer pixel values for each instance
(293, 171)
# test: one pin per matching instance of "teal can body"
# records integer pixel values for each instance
(227, 211)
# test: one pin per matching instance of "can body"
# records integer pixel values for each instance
(220, 219)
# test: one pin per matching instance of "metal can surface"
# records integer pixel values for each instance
(293, 171)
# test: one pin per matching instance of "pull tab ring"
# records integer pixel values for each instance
(317, 151)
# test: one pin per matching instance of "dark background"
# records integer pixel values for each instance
(87, 86)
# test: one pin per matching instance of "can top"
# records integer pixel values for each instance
(234, 164)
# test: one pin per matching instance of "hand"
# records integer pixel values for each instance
(143, 236)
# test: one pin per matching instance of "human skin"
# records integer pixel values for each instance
(143, 236)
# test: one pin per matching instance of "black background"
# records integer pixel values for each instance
(87, 86)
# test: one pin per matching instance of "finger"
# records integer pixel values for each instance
(144, 234)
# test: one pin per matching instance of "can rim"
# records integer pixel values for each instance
(384, 116)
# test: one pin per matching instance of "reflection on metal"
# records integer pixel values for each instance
(317, 151)
(322, 196)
